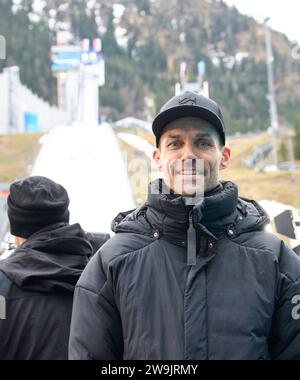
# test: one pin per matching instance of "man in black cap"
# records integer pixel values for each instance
(191, 274)
(37, 281)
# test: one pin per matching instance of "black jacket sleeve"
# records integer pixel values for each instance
(96, 330)
(284, 340)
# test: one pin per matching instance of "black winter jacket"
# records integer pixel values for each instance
(175, 283)
(37, 283)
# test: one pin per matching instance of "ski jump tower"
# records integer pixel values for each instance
(200, 87)
(80, 71)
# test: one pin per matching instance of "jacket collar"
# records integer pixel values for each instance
(169, 214)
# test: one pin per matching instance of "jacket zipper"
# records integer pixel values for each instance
(191, 241)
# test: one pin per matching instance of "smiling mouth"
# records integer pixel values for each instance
(194, 172)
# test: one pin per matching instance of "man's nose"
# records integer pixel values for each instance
(188, 152)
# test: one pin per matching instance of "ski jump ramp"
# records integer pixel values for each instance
(88, 162)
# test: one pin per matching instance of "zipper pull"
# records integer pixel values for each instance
(191, 242)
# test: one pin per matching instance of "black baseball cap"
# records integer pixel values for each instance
(189, 104)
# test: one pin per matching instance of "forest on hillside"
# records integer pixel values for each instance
(144, 42)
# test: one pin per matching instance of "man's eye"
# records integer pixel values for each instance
(174, 144)
(204, 144)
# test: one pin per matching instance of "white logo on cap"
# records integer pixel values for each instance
(187, 99)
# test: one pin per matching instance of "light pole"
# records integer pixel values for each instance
(271, 91)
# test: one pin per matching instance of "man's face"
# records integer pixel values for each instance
(190, 156)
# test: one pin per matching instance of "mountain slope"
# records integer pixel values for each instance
(144, 42)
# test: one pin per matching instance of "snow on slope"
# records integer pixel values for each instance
(88, 162)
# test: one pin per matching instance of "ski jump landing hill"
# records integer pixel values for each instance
(88, 162)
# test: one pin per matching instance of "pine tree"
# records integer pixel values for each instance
(28, 45)
(83, 24)
(110, 45)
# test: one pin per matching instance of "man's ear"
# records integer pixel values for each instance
(225, 159)
(157, 159)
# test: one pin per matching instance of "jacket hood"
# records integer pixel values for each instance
(51, 259)
(219, 212)
(252, 217)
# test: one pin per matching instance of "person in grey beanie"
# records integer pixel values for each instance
(37, 281)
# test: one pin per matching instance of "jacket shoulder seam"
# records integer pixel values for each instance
(85, 288)
(125, 253)
(269, 251)
(247, 246)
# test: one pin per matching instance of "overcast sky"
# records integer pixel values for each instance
(284, 14)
